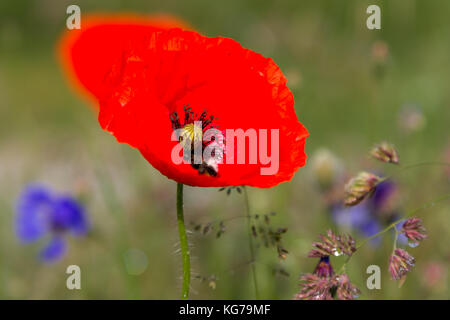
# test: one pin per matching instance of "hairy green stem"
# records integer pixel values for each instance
(250, 243)
(183, 244)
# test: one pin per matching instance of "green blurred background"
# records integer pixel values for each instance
(353, 87)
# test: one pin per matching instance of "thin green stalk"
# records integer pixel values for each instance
(250, 243)
(376, 235)
(394, 246)
(426, 163)
(415, 165)
(183, 244)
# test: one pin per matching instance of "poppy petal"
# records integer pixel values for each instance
(87, 54)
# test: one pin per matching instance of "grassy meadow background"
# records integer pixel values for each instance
(49, 134)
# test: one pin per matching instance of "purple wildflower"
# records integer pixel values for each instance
(324, 268)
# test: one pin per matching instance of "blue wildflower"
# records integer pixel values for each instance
(383, 193)
(358, 217)
(366, 216)
(41, 213)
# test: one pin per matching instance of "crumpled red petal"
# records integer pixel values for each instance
(87, 54)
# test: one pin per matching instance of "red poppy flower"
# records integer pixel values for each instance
(163, 80)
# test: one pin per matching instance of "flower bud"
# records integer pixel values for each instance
(414, 230)
(313, 287)
(333, 245)
(385, 152)
(359, 187)
(400, 263)
(345, 289)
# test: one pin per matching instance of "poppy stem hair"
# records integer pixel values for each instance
(183, 244)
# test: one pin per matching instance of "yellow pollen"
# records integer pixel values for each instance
(192, 133)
